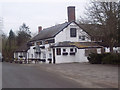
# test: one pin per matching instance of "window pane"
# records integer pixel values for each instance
(71, 50)
(83, 37)
(58, 51)
(64, 50)
(73, 32)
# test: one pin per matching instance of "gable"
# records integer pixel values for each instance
(53, 31)
(50, 32)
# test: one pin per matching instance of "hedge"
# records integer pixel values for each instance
(105, 58)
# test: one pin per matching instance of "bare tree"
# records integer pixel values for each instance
(106, 15)
(119, 23)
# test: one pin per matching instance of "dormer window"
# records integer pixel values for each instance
(73, 32)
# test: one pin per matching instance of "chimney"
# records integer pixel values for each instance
(39, 29)
(71, 13)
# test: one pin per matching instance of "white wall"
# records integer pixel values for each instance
(19, 54)
(80, 56)
(30, 52)
(114, 49)
(44, 53)
(65, 35)
(64, 58)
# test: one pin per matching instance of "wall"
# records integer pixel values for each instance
(64, 58)
(80, 56)
(116, 49)
(19, 54)
(65, 35)
(44, 53)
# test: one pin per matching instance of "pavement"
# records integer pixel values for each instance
(28, 76)
(87, 75)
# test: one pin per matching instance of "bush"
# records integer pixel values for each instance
(106, 58)
(95, 58)
(111, 59)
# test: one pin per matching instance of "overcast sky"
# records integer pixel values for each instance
(36, 13)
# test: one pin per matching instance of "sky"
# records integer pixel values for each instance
(34, 13)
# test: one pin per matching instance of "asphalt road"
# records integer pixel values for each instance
(22, 76)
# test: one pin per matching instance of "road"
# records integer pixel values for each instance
(22, 76)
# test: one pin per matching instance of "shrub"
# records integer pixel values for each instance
(94, 58)
(111, 59)
(106, 58)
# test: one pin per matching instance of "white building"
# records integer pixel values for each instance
(62, 43)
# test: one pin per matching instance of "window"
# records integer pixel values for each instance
(58, 51)
(50, 55)
(73, 32)
(64, 50)
(75, 49)
(71, 50)
(32, 55)
(44, 55)
(16, 55)
(89, 51)
(82, 37)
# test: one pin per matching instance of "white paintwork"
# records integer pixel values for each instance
(64, 58)
(61, 37)
(65, 35)
(18, 54)
(115, 49)
(99, 50)
(80, 56)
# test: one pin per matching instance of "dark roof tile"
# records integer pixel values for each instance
(50, 32)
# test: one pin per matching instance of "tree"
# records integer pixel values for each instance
(11, 38)
(23, 34)
(119, 23)
(106, 15)
(12, 42)
(8, 45)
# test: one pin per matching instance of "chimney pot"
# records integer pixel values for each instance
(71, 13)
(39, 28)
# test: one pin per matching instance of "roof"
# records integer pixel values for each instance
(106, 44)
(77, 44)
(92, 29)
(22, 48)
(50, 32)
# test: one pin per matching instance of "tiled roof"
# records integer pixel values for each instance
(50, 32)
(22, 48)
(91, 29)
(77, 44)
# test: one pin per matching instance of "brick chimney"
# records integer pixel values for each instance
(39, 29)
(71, 13)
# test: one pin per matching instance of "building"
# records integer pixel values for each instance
(21, 53)
(62, 43)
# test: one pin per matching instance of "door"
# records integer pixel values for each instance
(54, 56)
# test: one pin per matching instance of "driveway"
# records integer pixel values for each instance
(87, 75)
